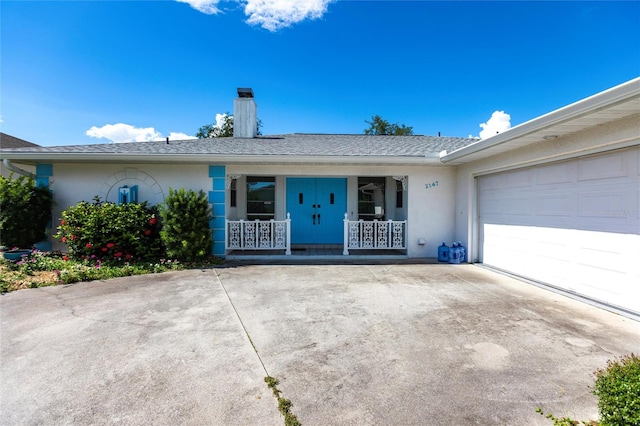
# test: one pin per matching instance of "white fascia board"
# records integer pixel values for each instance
(62, 157)
(615, 95)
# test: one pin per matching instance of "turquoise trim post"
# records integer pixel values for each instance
(217, 198)
(43, 173)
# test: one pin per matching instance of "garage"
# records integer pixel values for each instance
(572, 224)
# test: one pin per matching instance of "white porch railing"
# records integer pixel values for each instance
(259, 235)
(276, 235)
(371, 235)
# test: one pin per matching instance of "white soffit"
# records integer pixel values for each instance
(613, 104)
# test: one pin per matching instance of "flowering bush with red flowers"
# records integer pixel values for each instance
(105, 230)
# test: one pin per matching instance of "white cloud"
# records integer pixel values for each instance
(178, 136)
(121, 132)
(273, 15)
(220, 120)
(210, 7)
(499, 122)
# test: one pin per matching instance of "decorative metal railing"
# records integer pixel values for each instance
(276, 235)
(259, 235)
(372, 235)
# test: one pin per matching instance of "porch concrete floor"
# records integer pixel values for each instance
(317, 251)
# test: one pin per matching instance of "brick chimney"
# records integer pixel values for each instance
(245, 114)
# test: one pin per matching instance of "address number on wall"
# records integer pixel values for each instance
(431, 184)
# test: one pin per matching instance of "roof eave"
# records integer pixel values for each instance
(621, 93)
(38, 157)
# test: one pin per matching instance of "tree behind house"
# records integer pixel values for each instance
(380, 126)
(224, 130)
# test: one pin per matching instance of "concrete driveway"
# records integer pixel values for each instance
(351, 344)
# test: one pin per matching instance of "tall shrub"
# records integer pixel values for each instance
(25, 212)
(185, 232)
(111, 231)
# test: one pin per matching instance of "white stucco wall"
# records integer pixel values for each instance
(72, 183)
(614, 135)
(429, 199)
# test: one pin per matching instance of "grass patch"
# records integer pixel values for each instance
(284, 405)
(41, 269)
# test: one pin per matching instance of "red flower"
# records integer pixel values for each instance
(128, 256)
(118, 254)
(153, 221)
(110, 245)
(64, 239)
(147, 232)
(89, 245)
(65, 257)
(73, 237)
(64, 222)
(104, 249)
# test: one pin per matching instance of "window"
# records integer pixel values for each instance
(261, 197)
(128, 194)
(399, 194)
(233, 194)
(371, 198)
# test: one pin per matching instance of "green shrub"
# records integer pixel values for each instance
(111, 231)
(25, 212)
(185, 219)
(618, 390)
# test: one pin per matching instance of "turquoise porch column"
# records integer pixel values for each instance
(217, 198)
(43, 174)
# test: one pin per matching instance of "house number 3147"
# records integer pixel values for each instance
(431, 184)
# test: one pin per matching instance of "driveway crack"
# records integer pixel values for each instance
(244, 328)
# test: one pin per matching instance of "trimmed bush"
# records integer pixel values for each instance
(618, 390)
(111, 231)
(185, 225)
(25, 212)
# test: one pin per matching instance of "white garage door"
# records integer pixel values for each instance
(574, 225)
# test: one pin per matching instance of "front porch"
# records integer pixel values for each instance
(272, 239)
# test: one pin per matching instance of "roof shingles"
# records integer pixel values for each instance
(297, 144)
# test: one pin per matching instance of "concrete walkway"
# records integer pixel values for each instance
(351, 344)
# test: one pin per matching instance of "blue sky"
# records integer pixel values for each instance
(164, 67)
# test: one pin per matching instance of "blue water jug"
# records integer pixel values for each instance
(463, 251)
(454, 254)
(443, 253)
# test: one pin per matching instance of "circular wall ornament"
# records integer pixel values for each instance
(148, 188)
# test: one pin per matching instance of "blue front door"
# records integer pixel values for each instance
(317, 207)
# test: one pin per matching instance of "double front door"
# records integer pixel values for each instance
(317, 207)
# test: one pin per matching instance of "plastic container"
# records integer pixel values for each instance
(443, 253)
(463, 252)
(454, 254)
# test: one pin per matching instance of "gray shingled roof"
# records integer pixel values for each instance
(275, 145)
(8, 141)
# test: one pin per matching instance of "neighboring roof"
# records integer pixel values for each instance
(312, 148)
(613, 104)
(8, 141)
